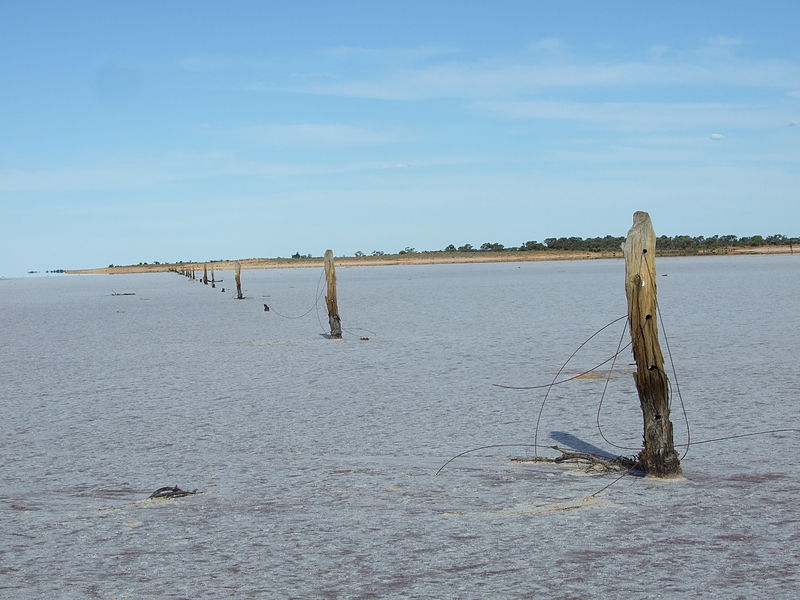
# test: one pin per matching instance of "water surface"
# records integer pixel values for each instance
(317, 457)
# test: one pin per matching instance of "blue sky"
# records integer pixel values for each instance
(165, 131)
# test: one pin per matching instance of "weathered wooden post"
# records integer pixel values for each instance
(213, 282)
(238, 277)
(205, 274)
(330, 297)
(658, 457)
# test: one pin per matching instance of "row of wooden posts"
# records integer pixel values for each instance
(658, 456)
(331, 303)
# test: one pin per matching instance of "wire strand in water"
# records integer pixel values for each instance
(481, 448)
(317, 294)
(603, 395)
(578, 376)
(544, 400)
(677, 385)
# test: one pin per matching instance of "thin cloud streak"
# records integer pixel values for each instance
(641, 115)
(317, 135)
(503, 80)
(411, 54)
(186, 167)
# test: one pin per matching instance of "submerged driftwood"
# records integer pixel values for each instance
(593, 462)
(171, 492)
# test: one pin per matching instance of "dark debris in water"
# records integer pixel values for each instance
(171, 492)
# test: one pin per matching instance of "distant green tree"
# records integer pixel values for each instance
(493, 246)
(776, 239)
(532, 245)
(756, 240)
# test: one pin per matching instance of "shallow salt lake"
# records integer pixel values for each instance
(317, 458)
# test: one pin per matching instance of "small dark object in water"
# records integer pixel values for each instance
(171, 492)
(364, 339)
(223, 290)
(266, 308)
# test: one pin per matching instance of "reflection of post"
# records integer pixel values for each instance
(238, 277)
(658, 457)
(205, 274)
(330, 297)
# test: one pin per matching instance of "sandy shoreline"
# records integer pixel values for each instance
(417, 258)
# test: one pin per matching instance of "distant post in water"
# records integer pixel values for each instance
(238, 277)
(658, 457)
(205, 273)
(213, 283)
(330, 297)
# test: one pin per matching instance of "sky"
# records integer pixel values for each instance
(163, 131)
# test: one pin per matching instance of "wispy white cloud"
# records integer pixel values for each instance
(205, 62)
(548, 45)
(720, 46)
(79, 178)
(514, 78)
(640, 115)
(228, 63)
(658, 51)
(136, 172)
(318, 135)
(409, 54)
(717, 137)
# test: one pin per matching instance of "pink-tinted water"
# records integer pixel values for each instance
(317, 458)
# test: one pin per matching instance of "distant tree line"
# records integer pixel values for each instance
(598, 244)
(678, 244)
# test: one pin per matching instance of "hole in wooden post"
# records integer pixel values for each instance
(644, 251)
(648, 317)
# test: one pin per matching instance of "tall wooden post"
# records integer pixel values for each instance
(238, 277)
(213, 282)
(658, 457)
(205, 274)
(330, 297)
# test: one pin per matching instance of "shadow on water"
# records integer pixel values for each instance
(578, 444)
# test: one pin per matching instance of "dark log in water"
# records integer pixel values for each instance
(171, 492)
